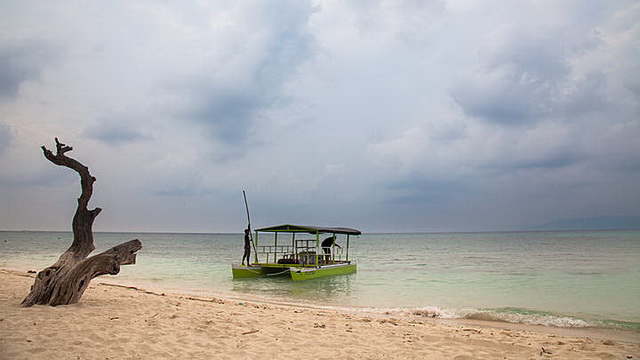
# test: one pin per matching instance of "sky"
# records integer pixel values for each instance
(396, 115)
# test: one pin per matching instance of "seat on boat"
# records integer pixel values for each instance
(307, 257)
(288, 261)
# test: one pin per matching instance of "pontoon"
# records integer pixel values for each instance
(297, 251)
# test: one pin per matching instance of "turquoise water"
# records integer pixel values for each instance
(569, 279)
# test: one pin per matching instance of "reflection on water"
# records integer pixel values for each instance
(333, 289)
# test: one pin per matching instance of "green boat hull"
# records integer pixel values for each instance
(296, 273)
(240, 271)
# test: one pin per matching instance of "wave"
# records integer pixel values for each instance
(511, 315)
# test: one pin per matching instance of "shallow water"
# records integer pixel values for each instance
(552, 278)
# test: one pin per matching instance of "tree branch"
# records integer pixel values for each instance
(107, 262)
(83, 219)
(65, 281)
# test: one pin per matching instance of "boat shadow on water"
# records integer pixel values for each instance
(280, 288)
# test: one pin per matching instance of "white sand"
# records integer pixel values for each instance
(113, 322)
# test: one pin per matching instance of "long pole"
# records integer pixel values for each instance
(246, 205)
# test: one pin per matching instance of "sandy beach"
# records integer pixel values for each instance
(116, 322)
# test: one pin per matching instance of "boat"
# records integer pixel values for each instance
(297, 251)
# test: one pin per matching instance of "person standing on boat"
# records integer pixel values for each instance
(327, 244)
(247, 246)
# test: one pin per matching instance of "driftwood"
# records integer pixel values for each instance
(65, 281)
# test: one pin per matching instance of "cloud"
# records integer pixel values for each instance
(423, 191)
(556, 66)
(5, 138)
(396, 115)
(115, 132)
(228, 116)
(505, 95)
(19, 63)
(519, 78)
(42, 178)
(182, 188)
(270, 43)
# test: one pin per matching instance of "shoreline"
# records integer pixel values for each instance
(556, 323)
(116, 321)
(593, 332)
(560, 322)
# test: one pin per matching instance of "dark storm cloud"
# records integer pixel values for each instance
(230, 108)
(508, 93)
(45, 177)
(179, 191)
(554, 162)
(536, 160)
(417, 189)
(527, 77)
(5, 137)
(228, 115)
(19, 63)
(115, 132)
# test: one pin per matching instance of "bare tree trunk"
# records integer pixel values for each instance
(65, 281)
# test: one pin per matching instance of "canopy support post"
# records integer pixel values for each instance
(255, 249)
(317, 247)
(347, 259)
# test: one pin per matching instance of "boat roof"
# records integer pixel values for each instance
(310, 229)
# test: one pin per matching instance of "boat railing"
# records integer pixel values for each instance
(308, 253)
(305, 251)
(275, 252)
(331, 255)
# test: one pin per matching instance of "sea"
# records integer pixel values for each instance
(562, 279)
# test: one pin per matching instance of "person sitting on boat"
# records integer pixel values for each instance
(327, 244)
(247, 246)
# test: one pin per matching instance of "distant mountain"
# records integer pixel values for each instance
(594, 223)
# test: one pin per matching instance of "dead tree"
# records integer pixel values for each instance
(65, 281)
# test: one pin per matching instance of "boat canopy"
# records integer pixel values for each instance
(310, 229)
